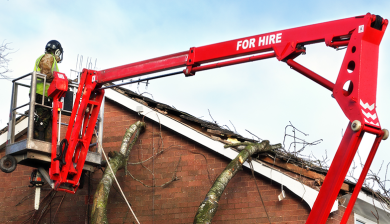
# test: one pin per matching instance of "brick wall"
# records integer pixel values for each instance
(177, 202)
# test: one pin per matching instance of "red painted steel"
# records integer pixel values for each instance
(57, 89)
(79, 133)
(283, 42)
(362, 177)
(311, 75)
(233, 62)
(335, 176)
(70, 132)
(338, 44)
(359, 69)
(371, 130)
(54, 166)
(143, 67)
(58, 86)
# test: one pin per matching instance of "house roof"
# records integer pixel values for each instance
(210, 128)
(187, 127)
(267, 165)
(214, 137)
(20, 129)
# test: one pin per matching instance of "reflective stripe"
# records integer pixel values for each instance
(54, 67)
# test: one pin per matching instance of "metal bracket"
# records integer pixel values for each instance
(46, 176)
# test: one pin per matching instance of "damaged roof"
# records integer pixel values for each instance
(209, 128)
(279, 159)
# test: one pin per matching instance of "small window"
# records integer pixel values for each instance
(362, 220)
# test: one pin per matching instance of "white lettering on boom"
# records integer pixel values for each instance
(278, 37)
(252, 42)
(263, 41)
(245, 44)
(271, 39)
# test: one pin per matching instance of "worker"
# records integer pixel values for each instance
(46, 64)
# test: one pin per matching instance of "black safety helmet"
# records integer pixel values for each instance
(54, 47)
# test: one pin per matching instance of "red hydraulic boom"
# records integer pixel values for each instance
(361, 35)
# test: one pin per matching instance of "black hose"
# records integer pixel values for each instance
(63, 149)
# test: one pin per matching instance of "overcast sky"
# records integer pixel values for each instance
(261, 96)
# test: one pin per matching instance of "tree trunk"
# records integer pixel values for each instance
(209, 206)
(117, 161)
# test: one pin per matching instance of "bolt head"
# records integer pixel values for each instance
(356, 125)
(385, 134)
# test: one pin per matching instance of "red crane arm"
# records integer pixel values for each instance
(159, 64)
(354, 90)
(283, 43)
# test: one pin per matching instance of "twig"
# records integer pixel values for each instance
(259, 139)
(174, 177)
(4, 61)
(140, 162)
(25, 198)
(54, 218)
(235, 131)
(212, 117)
(35, 211)
(207, 165)
(258, 190)
(44, 210)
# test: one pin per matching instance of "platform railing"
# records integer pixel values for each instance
(17, 149)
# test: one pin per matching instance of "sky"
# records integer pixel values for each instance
(262, 97)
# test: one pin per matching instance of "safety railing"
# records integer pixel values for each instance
(17, 148)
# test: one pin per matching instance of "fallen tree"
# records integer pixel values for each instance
(117, 161)
(207, 209)
(209, 206)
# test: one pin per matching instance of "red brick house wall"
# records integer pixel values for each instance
(177, 202)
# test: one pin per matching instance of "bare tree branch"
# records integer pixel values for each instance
(4, 59)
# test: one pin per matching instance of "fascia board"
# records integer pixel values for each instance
(19, 127)
(308, 194)
(372, 201)
(366, 205)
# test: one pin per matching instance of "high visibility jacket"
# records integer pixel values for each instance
(54, 67)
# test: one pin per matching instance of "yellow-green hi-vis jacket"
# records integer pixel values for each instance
(54, 67)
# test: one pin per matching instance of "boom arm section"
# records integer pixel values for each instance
(285, 44)
(354, 90)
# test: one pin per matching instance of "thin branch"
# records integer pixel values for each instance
(258, 190)
(4, 60)
(54, 218)
(235, 131)
(212, 117)
(174, 177)
(259, 139)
